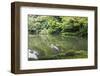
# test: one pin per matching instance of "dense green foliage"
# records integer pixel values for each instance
(58, 25)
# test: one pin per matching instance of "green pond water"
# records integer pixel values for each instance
(70, 47)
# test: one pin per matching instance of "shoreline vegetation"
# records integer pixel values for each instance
(57, 37)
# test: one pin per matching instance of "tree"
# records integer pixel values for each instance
(58, 25)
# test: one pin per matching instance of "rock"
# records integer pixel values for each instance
(33, 54)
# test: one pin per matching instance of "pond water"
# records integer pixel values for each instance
(58, 47)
